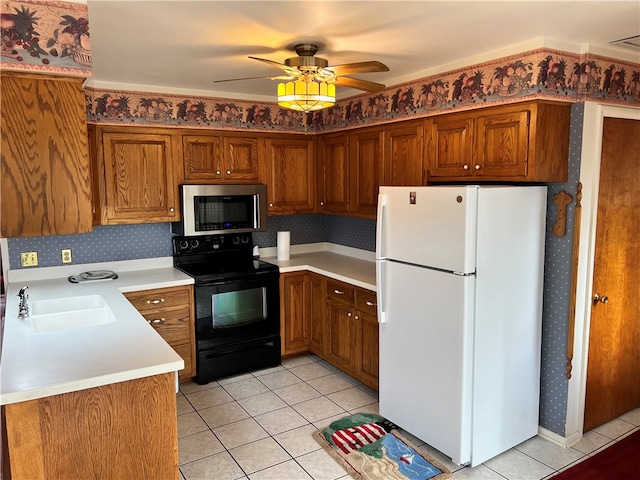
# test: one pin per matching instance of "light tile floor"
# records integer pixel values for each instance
(258, 426)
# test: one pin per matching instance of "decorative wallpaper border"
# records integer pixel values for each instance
(45, 36)
(541, 73)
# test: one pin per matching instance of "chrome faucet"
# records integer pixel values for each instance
(23, 308)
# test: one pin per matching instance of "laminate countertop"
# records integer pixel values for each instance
(40, 364)
(340, 263)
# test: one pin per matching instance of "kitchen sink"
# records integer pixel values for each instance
(70, 313)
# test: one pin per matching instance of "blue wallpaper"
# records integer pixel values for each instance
(128, 242)
(557, 281)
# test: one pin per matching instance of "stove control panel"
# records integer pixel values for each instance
(212, 243)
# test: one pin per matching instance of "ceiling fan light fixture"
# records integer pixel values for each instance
(306, 95)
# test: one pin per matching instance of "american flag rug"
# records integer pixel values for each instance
(369, 447)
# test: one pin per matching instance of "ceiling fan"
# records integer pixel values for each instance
(307, 67)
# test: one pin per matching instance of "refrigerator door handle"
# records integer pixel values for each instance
(381, 225)
(381, 270)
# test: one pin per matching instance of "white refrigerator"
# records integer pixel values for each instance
(459, 279)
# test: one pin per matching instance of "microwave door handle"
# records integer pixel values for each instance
(256, 213)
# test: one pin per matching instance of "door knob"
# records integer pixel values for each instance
(600, 298)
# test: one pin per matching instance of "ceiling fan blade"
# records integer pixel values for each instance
(279, 77)
(359, 67)
(271, 62)
(365, 85)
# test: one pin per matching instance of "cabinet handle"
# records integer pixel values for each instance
(466, 167)
(321, 204)
(349, 314)
(356, 317)
(157, 320)
(371, 304)
(156, 301)
(171, 209)
(271, 204)
(217, 172)
(228, 172)
(338, 292)
(477, 167)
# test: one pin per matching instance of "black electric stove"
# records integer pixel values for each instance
(237, 304)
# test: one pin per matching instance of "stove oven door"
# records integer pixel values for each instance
(237, 310)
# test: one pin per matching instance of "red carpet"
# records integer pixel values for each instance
(620, 461)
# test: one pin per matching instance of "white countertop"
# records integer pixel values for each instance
(35, 365)
(334, 261)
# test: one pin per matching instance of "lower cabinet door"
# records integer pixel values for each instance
(341, 345)
(367, 364)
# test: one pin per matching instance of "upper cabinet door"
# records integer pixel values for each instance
(290, 176)
(201, 157)
(502, 144)
(139, 177)
(449, 141)
(240, 158)
(334, 197)
(403, 145)
(366, 169)
(45, 177)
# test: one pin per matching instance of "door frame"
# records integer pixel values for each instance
(592, 130)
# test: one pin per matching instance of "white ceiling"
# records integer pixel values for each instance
(182, 46)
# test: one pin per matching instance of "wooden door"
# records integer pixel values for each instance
(366, 171)
(294, 313)
(403, 146)
(290, 176)
(613, 371)
(368, 341)
(46, 187)
(240, 158)
(140, 186)
(448, 146)
(502, 143)
(335, 174)
(201, 157)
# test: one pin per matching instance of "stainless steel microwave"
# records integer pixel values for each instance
(218, 209)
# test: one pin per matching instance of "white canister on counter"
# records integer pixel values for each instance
(284, 239)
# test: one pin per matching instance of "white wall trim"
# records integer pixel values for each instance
(565, 442)
(594, 115)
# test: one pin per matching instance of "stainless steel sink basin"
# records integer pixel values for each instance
(70, 312)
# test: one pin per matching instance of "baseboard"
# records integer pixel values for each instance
(565, 442)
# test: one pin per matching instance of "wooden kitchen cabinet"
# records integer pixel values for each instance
(334, 174)
(403, 153)
(318, 322)
(294, 313)
(45, 169)
(220, 158)
(368, 338)
(366, 171)
(134, 175)
(342, 323)
(290, 175)
(171, 312)
(526, 142)
(123, 430)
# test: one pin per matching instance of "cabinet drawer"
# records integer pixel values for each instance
(366, 301)
(172, 325)
(340, 292)
(159, 299)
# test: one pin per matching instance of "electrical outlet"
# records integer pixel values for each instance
(66, 255)
(29, 259)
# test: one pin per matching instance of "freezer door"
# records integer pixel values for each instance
(432, 226)
(426, 355)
